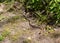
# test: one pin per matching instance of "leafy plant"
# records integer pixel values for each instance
(55, 9)
(1, 38)
(47, 10)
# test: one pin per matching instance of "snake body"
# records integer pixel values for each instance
(28, 19)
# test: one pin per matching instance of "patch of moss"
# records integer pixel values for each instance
(6, 32)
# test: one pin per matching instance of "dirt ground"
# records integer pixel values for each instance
(19, 31)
